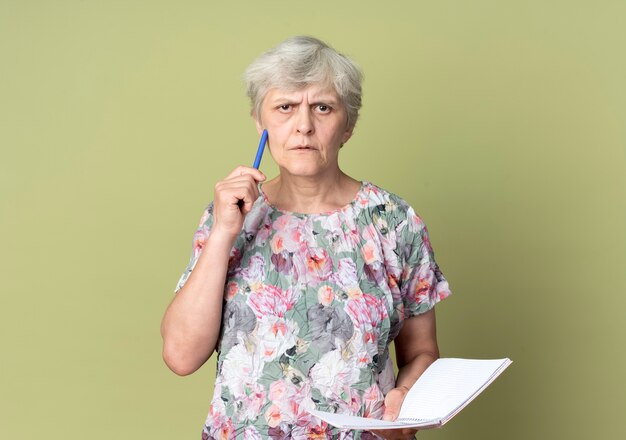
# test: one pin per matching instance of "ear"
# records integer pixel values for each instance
(259, 125)
(347, 134)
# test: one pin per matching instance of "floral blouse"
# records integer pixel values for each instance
(311, 304)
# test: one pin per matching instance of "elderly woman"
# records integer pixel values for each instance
(301, 283)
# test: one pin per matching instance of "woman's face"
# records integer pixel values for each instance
(305, 128)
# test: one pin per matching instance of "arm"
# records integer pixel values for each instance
(416, 348)
(422, 285)
(191, 324)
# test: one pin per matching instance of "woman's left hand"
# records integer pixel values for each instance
(393, 402)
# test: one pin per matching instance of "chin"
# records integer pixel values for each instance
(304, 171)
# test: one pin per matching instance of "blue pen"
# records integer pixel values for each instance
(259, 151)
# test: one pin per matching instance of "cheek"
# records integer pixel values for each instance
(338, 135)
(277, 129)
(274, 145)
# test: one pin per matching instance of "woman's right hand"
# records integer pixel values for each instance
(234, 197)
(191, 324)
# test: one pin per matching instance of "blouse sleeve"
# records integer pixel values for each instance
(422, 285)
(199, 240)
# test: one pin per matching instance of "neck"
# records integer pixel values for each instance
(311, 194)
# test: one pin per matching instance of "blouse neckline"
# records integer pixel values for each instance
(344, 208)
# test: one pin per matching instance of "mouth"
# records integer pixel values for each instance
(303, 148)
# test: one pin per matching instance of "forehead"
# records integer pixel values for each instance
(309, 93)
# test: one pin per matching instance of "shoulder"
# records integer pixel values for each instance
(206, 220)
(378, 203)
(376, 196)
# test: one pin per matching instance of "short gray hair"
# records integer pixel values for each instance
(299, 62)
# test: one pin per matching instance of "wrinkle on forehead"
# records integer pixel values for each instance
(312, 94)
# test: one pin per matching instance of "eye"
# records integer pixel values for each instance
(284, 107)
(323, 108)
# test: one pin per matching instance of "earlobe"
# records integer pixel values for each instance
(259, 125)
(346, 135)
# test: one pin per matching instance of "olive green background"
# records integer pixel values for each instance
(502, 122)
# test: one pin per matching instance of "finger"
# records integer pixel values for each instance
(241, 194)
(238, 186)
(393, 402)
(236, 194)
(241, 170)
(391, 434)
(248, 200)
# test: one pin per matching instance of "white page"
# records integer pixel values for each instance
(355, 422)
(446, 385)
(441, 392)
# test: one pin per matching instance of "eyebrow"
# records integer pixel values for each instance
(322, 99)
(325, 100)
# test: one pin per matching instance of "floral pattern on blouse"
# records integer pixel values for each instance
(311, 304)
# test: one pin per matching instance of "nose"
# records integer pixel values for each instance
(304, 124)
